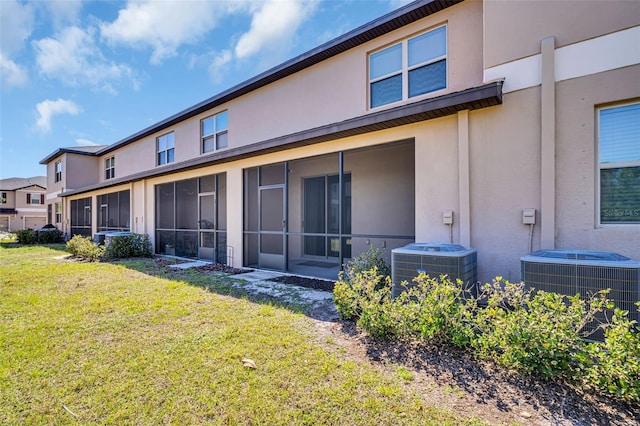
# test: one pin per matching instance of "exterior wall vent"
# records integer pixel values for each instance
(435, 259)
(586, 272)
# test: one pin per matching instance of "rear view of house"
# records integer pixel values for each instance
(502, 126)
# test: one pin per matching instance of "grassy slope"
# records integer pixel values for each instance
(117, 346)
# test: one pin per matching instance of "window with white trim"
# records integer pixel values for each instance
(110, 168)
(58, 212)
(58, 171)
(35, 198)
(619, 164)
(165, 145)
(409, 68)
(3, 198)
(214, 132)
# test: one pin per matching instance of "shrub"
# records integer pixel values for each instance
(438, 310)
(537, 334)
(49, 236)
(84, 248)
(353, 286)
(26, 236)
(133, 245)
(616, 362)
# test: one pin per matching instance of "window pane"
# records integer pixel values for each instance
(170, 155)
(221, 122)
(208, 184)
(428, 46)
(162, 143)
(428, 78)
(221, 140)
(164, 206)
(272, 174)
(207, 144)
(207, 126)
(620, 134)
(386, 91)
(385, 62)
(162, 158)
(620, 195)
(187, 204)
(170, 140)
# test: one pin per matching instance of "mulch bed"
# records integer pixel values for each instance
(314, 283)
(219, 267)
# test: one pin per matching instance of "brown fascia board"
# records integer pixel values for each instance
(380, 26)
(441, 106)
(58, 152)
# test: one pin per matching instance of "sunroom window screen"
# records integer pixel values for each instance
(620, 164)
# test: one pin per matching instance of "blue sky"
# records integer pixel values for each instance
(94, 72)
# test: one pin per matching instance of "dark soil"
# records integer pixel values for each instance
(314, 283)
(219, 267)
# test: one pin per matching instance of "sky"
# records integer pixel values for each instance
(76, 73)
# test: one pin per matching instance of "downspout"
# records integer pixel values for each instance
(548, 145)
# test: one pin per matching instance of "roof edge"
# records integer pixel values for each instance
(58, 152)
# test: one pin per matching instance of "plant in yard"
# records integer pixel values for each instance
(84, 248)
(438, 310)
(26, 236)
(616, 361)
(133, 245)
(539, 334)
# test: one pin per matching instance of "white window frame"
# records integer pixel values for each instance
(58, 212)
(406, 69)
(166, 150)
(215, 134)
(58, 171)
(35, 196)
(613, 165)
(110, 168)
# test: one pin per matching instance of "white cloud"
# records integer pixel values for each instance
(63, 12)
(12, 74)
(273, 25)
(16, 24)
(74, 58)
(85, 142)
(47, 109)
(220, 60)
(165, 26)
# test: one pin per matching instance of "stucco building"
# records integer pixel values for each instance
(486, 109)
(22, 203)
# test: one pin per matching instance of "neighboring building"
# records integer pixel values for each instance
(68, 169)
(22, 203)
(480, 108)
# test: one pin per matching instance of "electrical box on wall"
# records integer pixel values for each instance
(529, 216)
(447, 217)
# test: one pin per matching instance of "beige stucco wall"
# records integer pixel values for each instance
(577, 211)
(513, 29)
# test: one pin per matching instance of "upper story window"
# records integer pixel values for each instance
(110, 168)
(58, 169)
(35, 198)
(619, 164)
(409, 68)
(165, 148)
(214, 132)
(3, 198)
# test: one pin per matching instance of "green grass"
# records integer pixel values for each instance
(131, 343)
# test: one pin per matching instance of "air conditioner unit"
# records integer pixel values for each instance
(586, 272)
(434, 259)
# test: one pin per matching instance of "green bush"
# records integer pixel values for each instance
(26, 236)
(84, 248)
(437, 310)
(362, 274)
(539, 334)
(49, 236)
(29, 236)
(615, 368)
(123, 246)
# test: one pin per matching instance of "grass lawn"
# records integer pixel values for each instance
(130, 343)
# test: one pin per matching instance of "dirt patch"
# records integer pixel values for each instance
(219, 267)
(447, 377)
(314, 283)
